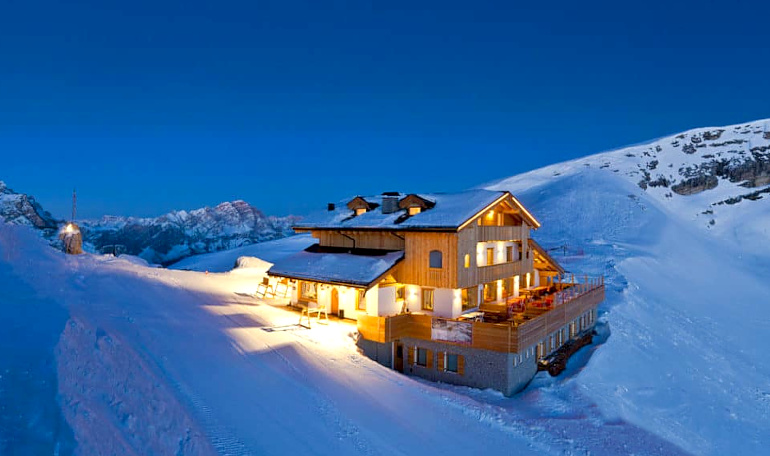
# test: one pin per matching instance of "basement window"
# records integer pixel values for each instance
(422, 357)
(451, 363)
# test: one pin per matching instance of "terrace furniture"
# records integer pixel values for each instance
(308, 309)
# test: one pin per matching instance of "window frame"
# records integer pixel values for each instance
(361, 300)
(490, 256)
(424, 352)
(509, 254)
(432, 256)
(303, 292)
(456, 357)
(428, 292)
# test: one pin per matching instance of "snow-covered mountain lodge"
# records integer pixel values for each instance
(449, 287)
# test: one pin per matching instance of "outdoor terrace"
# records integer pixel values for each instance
(505, 328)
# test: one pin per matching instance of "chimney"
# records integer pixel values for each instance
(389, 204)
(330, 207)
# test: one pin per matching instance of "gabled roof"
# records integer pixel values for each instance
(360, 203)
(449, 212)
(359, 268)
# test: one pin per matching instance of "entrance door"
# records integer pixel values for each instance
(335, 301)
(398, 363)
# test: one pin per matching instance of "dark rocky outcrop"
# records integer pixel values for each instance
(695, 185)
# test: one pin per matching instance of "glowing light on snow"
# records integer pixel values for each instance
(69, 228)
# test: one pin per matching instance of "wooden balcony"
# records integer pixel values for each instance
(501, 337)
(501, 233)
(503, 270)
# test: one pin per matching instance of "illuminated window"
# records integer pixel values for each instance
(308, 291)
(467, 261)
(400, 292)
(435, 259)
(361, 300)
(360, 211)
(470, 298)
(490, 256)
(490, 292)
(427, 299)
(509, 253)
(414, 210)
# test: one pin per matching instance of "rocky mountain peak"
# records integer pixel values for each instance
(20, 209)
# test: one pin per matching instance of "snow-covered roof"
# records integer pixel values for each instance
(360, 268)
(451, 210)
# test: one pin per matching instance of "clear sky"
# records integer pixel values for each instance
(149, 106)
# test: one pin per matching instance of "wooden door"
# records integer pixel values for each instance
(335, 301)
(398, 363)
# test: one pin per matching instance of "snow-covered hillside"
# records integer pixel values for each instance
(138, 360)
(717, 177)
(687, 297)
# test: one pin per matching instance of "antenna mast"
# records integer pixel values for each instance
(74, 204)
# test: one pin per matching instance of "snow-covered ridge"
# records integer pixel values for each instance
(698, 173)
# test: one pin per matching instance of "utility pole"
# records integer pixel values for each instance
(74, 204)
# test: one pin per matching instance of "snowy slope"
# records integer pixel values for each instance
(716, 177)
(167, 361)
(151, 360)
(224, 261)
(687, 300)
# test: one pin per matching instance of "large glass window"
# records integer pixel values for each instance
(470, 298)
(490, 292)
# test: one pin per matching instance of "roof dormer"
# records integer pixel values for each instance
(360, 206)
(414, 204)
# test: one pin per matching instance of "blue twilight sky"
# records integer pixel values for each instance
(149, 106)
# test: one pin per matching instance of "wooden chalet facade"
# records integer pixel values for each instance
(449, 287)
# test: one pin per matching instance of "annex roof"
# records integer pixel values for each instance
(543, 260)
(448, 212)
(358, 268)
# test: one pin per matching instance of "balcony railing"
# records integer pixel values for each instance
(501, 233)
(501, 337)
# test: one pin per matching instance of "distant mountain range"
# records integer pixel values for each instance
(163, 239)
(179, 234)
